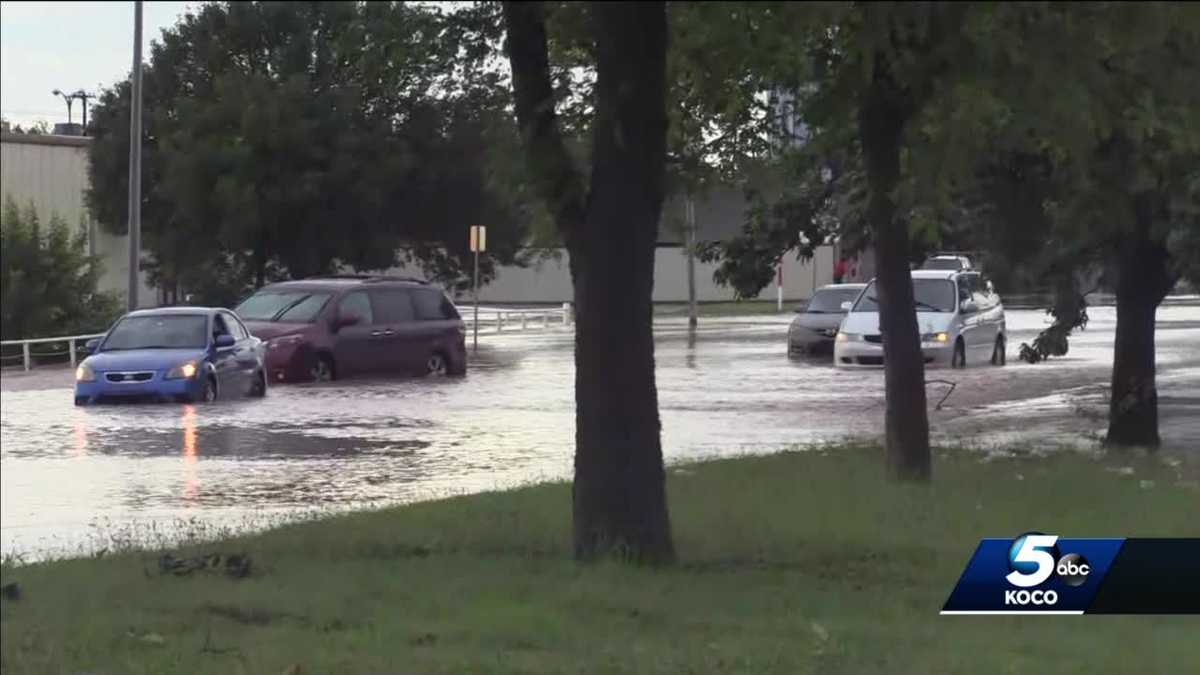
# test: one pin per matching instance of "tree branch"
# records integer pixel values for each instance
(554, 173)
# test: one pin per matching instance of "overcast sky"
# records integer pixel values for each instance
(69, 46)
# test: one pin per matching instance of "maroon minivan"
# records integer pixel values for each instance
(331, 327)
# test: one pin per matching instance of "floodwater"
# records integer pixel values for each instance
(72, 477)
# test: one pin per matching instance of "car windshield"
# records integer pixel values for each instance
(180, 331)
(829, 300)
(291, 306)
(929, 295)
(942, 264)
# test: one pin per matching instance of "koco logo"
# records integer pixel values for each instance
(1033, 559)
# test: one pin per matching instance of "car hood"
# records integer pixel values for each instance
(143, 359)
(819, 321)
(867, 323)
(265, 330)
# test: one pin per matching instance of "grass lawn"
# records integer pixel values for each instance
(739, 308)
(802, 562)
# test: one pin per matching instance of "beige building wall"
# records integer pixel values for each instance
(550, 280)
(51, 171)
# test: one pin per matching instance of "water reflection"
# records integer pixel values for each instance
(81, 438)
(191, 484)
(511, 420)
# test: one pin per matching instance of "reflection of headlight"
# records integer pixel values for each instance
(285, 341)
(848, 337)
(184, 371)
(934, 337)
(84, 374)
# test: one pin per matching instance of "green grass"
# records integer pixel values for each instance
(803, 562)
(717, 309)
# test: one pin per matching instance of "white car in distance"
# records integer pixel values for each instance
(959, 315)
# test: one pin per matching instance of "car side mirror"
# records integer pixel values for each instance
(344, 320)
(847, 305)
(224, 341)
(92, 345)
(968, 307)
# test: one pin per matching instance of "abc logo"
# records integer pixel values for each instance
(1033, 558)
(1073, 569)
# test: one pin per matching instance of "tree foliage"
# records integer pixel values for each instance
(48, 278)
(292, 139)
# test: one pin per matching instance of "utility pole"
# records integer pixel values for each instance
(135, 161)
(83, 96)
(690, 242)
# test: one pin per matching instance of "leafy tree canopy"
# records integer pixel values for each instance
(290, 139)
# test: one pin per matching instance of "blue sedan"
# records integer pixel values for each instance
(178, 353)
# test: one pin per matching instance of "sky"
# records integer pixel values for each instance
(69, 46)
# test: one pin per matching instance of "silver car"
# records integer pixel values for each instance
(816, 325)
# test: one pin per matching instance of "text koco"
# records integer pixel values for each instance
(1024, 597)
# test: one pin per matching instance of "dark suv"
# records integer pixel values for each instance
(330, 327)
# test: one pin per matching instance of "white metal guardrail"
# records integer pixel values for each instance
(74, 344)
(516, 318)
(498, 319)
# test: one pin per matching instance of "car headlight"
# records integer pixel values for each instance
(935, 337)
(285, 341)
(84, 374)
(183, 371)
(848, 337)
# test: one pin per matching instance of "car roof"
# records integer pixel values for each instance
(339, 282)
(185, 310)
(939, 274)
(856, 287)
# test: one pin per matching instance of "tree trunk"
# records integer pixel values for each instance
(1144, 280)
(619, 491)
(881, 124)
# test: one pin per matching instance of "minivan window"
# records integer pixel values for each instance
(287, 306)
(929, 295)
(357, 304)
(431, 305)
(391, 305)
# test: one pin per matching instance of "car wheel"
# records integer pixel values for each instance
(436, 364)
(323, 369)
(999, 357)
(959, 360)
(259, 388)
(209, 394)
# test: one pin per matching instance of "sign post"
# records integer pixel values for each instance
(779, 288)
(478, 244)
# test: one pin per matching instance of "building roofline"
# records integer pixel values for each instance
(46, 139)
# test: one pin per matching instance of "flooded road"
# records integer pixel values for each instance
(73, 478)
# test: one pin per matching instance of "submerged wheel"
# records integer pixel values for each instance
(959, 360)
(259, 388)
(209, 394)
(436, 364)
(323, 369)
(999, 355)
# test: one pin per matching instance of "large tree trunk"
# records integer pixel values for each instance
(881, 124)
(619, 492)
(1143, 281)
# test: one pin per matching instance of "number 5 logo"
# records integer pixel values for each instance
(1030, 551)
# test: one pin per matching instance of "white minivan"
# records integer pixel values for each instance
(959, 315)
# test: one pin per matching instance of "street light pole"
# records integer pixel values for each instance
(135, 161)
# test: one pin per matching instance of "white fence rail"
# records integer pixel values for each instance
(491, 319)
(500, 319)
(74, 344)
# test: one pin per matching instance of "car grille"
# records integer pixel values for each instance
(130, 377)
(875, 339)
